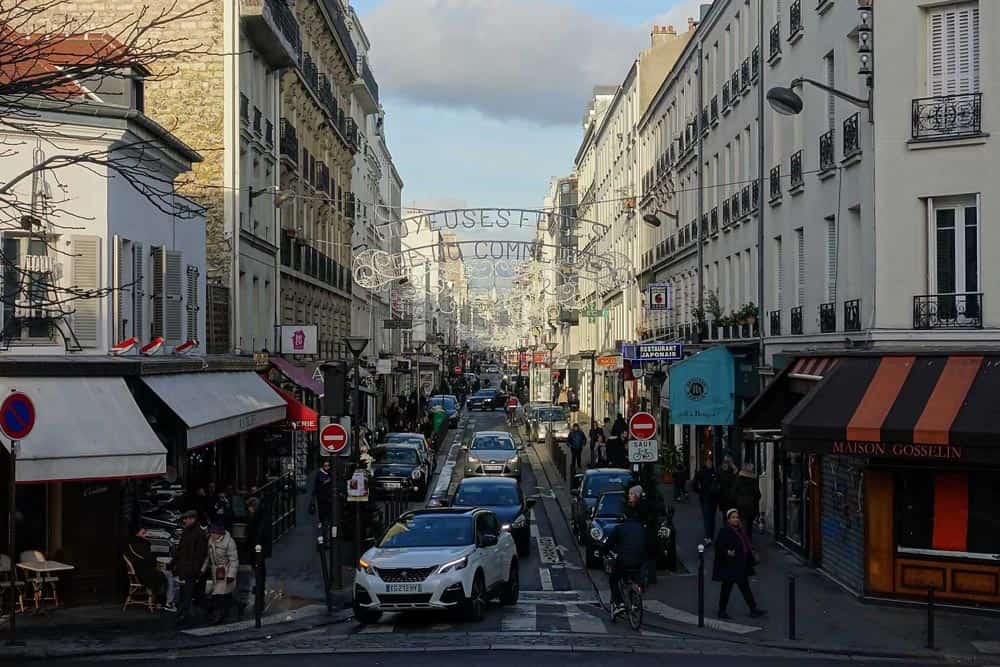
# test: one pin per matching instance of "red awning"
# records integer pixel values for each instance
(299, 417)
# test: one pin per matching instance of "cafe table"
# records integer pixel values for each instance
(40, 569)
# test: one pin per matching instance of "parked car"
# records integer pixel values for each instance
(447, 403)
(503, 497)
(492, 453)
(397, 468)
(551, 417)
(416, 439)
(437, 559)
(484, 399)
(609, 513)
(587, 488)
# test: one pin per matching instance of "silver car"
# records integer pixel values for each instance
(492, 453)
(554, 419)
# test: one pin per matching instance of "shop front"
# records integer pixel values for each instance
(701, 393)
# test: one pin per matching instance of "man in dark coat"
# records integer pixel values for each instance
(189, 561)
(576, 441)
(733, 564)
(746, 497)
(321, 492)
(727, 482)
(709, 490)
(616, 443)
(595, 432)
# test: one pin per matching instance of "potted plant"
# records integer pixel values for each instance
(669, 456)
(748, 314)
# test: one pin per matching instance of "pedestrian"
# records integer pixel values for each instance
(321, 500)
(616, 443)
(746, 497)
(576, 442)
(708, 488)
(222, 509)
(601, 452)
(727, 482)
(189, 562)
(680, 480)
(734, 564)
(222, 565)
(140, 553)
(574, 405)
(595, 432)
(259, 530)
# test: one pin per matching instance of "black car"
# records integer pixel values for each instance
(397, 468)
(503, 497)
(609, 513)
(588, 487)
(447, 403)
(484, 399)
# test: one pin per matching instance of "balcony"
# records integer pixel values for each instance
(350, 131)
(366, 87)
(725, 97)
(714, 109)
(775, 183)
(796, 180)
(727, 218)
(794, 20)
(745, 75)
(289, 141)
(755, 195)
(273, 30)
(258, 129)
(745, 200)
(947, 117)
(775, 323)
(852, 315)
(342, 32)
(734, 86)
(269, 133)
(852, 138)
(796, 319)
(714, 220)
(755, 63)
(734, 206)
(948, 311)
(774, 43)
(827, 153)
(827, 317)
(704, 121)
(310, 72)
(244, 108)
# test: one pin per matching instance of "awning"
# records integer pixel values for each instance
(917, 407)
(784, 392)
(217, 405)
(308, 378)
(86, 428)
(300, 417)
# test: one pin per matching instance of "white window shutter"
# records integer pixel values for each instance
(86, 277)
(122, 295)
(159, 293)
(138, 291)
(193, 302)
(174, 298)
(831, 261)
(800, 277)
(953, 50)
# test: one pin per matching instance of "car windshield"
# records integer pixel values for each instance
(595, 485)
(443, 401)
(486, 393)
(404, 437)
(397, 455)
(428, 530)
(477, 495)
(611, 504)
(493, 442)
(551, 415)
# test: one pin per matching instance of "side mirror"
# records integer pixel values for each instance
(488, 540)
(465, 448)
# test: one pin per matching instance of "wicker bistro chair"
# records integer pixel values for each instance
(136, 590)
(10, 585)
(40, 581)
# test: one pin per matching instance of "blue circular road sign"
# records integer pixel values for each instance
(17, 416)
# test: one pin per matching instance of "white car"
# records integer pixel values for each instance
(437, 559)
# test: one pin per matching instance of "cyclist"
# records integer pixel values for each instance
(512, 405)
(629, 541)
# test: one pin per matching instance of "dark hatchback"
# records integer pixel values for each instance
(447, 403)
(609, 513)
(397, 468)
(503, 497)
(588, 487)
(484, 399)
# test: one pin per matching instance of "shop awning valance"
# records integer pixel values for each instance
(303, 377)
(217, 405)
(87, 428)
(300, 417)
(785, 391)
(925, 407)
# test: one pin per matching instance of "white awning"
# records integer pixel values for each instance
(217, 405)
(85, 428)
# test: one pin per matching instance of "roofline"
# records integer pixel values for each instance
(619, 92)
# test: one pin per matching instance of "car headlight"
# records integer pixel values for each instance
(519, 522)
(596, 533)
(512, 460)
(473, 459)
(454, 565)
(365, 566)
(417, 474)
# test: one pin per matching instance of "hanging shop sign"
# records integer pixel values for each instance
(702, 389)
(653, 351)
(660, 297)
(610, 361)
(299, 339)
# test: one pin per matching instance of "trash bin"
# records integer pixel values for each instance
(438, 418)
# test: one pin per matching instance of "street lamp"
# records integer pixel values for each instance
(550, 346)
(356, 345)
(653, 220)
(419, 347)
(592, 355)
(531, 374)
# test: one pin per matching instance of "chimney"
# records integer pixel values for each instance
(661, 34)
(692, 24)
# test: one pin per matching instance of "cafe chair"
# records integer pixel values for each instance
(10, 585)
(137, 590)
(40, 580)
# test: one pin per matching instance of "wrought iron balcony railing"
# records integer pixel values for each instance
(774, 42)
(714, 108)
(775, 182)
(827, 153)
(828, 317)
(745, 75)
(725, 96)
(852, 315)
(755, 195)
(755, 63)
(852, 138)
(775, 324)
(948, 311)
(796, 180)
(726, 217)
(289, 141)
(734, 206)
(745, 200)
(794, 18)
(734, 86)
(947, 117)
(796, 320)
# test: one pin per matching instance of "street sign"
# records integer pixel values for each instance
(333, 439)
(660, 297)
(642, 451)
(17, 416)
(642, 426)
(653, 351)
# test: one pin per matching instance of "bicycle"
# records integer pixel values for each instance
(631, 592)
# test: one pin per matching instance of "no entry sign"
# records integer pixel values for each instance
(17, 416)
(642, 426)
(333, 439)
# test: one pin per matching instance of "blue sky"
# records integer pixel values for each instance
(484, 98)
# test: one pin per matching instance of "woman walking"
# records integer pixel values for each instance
(222, 564)
(733, 564)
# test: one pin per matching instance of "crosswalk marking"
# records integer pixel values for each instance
(546, 578)
(585, 623)
(681, 616)
(520, 618)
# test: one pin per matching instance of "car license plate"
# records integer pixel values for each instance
(494, 468)
(403, 588)
(393, 485)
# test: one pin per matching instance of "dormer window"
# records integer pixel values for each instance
(139, 94)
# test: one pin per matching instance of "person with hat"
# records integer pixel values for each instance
(734, 563)
(221, 564)
(189, 561)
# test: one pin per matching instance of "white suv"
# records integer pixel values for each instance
(437, 559)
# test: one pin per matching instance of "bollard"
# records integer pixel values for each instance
(930, 618)
(791, 607)
(320, 547)
(701, 585)
(258, 588)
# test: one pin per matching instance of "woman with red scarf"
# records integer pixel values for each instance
(734, 563)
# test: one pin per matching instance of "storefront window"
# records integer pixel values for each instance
(794, 488)
(948, 513)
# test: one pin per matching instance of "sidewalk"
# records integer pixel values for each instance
(828, 617)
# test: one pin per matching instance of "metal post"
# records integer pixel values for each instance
(12, 540)
(701, 585)
(258, 570)
(336, 572)
(593, 380)
(760, 182)
(320, 548)
(791, 607)
(930, 618)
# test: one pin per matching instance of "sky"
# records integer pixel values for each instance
(484, 99)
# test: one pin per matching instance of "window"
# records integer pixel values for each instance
(948, 513)
(831, 101)
(800, 267)
(29, 276)
(831, 259)
(192, 302)
(954, 230)
(953, 50)
(779, 262)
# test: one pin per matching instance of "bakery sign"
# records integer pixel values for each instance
(299, 339)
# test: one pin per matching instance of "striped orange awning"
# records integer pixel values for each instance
(785, 391)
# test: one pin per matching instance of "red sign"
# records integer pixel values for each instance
(17, 416)
(458, 370)
(642, 426)
(333, 438)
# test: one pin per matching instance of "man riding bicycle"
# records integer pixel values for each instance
(629, 542)
(512, 406)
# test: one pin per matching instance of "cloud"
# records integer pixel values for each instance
(529, 59)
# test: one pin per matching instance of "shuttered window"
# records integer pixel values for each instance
(193, 302)
(159, 292)
(953, 50)
(138, 291)
(800, 267)
(123, 290)
(174, 301)
(86, 278)
(831, 101)
(779, 272)
(831, 260)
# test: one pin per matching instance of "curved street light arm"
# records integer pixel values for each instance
(864, 103)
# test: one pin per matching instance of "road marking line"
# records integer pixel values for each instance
(580, 622)
(534, 524)
(519, 619)
(681, 616)
(546, 576)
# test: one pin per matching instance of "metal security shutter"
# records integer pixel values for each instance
(174, 298)
(800, 261)
(953, 50)
(86, 278)
(158, 295)
(831, 260)
(138, 290)
(193, 304)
